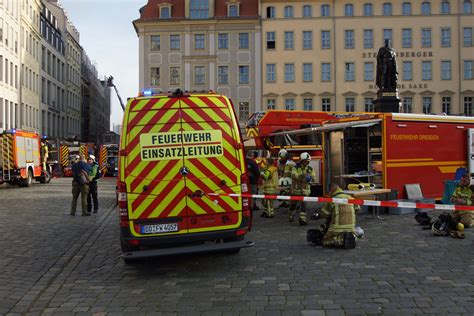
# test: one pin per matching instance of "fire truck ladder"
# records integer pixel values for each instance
(6, 153)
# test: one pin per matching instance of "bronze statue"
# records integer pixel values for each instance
(387, 74)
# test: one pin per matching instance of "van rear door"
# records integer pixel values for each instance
(212, 162)
(155, 187)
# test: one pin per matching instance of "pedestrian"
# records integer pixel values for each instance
(269, 176)
(285, 167)
(254, 176)
(301, 177)
(462, 195)
(341, 218)
(80, 184)
(94, 175)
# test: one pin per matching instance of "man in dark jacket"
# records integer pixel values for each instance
(80, 184)
(92, 197)
(254, 176)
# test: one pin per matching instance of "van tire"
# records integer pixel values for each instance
(45, 177)
(28, 181)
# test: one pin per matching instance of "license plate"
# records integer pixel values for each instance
(159, 228)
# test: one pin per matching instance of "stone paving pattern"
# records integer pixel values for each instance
(53, 263)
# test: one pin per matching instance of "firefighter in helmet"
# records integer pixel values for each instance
(285, 167)
(44, 154)
(342, 220)
(269, 175)
(462, 195)
(301, 177)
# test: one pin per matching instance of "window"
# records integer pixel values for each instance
(467, 7)
(165, 12)
(369, 71)
(326, 104)
(350, 104)
(369, 104)
(154, 76)
(307, 39)
(407, 70)
(349, 39)
(175, 76)
(199, 9)
(446, 37)
(270, 40)
(426, 37)
(244, 74)
(468, 69)
(445, 70)
(271, 12)
(223, 41)
(289, 72)
(233, 10)
(368, 38)
(243, 40)
(325, 39)
(407, 104)
(387, 34)
(368, 9)
(446, 105)
(325, 10)
(288, 40)
(349, 72)
(289, 104)
(307, 11)
(387, 9)
(307, 72)
(223, 75)
(426, 70)
(406, 8)
(244, 111)
(349, 10)
(175, 42)
(271, 72)
(288, 11)
(467, 34)
(307, 104)
(199, 41)
(155, 42)
(199, 75)
(325, 72)
(445, 7)
(425, 8)
(406, 38)
(468, 106)
(271, 104)
(426, 105)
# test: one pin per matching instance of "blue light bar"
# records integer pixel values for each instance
(147, 93)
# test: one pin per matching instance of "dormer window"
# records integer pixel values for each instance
(233, 10)
(199, 9)
(165, 11)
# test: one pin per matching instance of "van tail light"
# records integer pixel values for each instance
(122, 204)
(246, 202)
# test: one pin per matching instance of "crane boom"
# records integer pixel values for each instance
(110, 83)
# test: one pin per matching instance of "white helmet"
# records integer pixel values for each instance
(305, 156)
(92, 157)
(283, 153)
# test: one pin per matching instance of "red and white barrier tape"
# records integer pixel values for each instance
(396, 204)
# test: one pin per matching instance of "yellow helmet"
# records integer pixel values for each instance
(460, 227)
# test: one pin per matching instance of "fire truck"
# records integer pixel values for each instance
(20, 158)
(387, 149)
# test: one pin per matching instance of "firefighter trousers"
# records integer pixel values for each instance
(77, 190)
(296, 206)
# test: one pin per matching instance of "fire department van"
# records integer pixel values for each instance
(181, 159)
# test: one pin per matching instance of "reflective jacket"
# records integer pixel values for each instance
(270, 179)
(299, 183)
(343, 216)
(285, 170)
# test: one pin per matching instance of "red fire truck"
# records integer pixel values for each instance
(20, 158)
(388, 149)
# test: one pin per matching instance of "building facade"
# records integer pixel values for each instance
(198, 45)
(321, 55)
(53, 71)
(73, 82)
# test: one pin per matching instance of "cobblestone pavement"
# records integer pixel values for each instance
(53, 263)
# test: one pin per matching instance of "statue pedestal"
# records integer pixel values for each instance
(387, 102)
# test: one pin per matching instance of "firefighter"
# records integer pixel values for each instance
(342, 219)
(301, 177)
(285, 167)
(269, 175)
(462, 195)
(44, 154)
(94, 175)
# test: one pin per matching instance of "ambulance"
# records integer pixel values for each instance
(181, 170)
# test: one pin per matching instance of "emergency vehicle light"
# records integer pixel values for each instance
(147, 93)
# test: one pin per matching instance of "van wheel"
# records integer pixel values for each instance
(45, 177)
(28, 181)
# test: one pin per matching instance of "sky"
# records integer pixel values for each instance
(108, 37)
